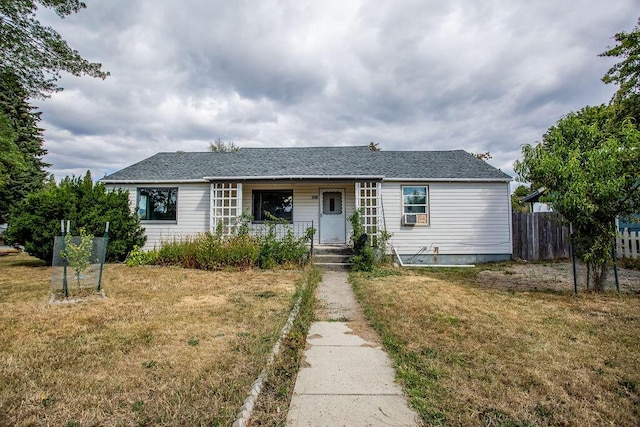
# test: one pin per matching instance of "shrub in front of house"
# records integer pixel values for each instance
(240, 251)
(367, 256)
(35, 221)
(281, 251)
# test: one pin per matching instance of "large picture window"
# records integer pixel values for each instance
(157, 204)
(415, 205)
(278, 203)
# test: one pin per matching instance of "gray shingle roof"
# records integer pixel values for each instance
(309, 162)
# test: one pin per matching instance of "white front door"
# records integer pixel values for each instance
(332, 216)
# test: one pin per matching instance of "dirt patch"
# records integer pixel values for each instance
(8, 250)
(557, 276)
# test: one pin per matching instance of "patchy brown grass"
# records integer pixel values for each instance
(471, 355)
(168, 346)
(273, 403)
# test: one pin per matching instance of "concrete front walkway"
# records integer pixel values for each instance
(346, 378)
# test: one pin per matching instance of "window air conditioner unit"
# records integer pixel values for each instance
(414, 219)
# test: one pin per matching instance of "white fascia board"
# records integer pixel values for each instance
(289, 177)
(449, 179)
(151, 181)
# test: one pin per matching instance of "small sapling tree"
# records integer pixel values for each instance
(78, 255)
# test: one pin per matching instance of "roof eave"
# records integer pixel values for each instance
(505, 179)
(290, 177)
(151, 181)
(297, 177)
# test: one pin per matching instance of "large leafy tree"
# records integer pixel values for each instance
(37, 54)
(589, 162)
(517, 205)
(35, 221)
(22, 120)
(625, 74)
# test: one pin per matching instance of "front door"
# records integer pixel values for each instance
(332, 217)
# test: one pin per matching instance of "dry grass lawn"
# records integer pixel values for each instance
(167, 347)
(471, 355)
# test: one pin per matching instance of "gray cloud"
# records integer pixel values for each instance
(480, 76)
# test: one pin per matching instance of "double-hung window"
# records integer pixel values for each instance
(157, 203)
(415, 205)
(272, 203)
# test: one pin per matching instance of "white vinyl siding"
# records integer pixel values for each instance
(465, 218)
(306, 205)
(192, 213)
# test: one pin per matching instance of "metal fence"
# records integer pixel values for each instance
(297, 228)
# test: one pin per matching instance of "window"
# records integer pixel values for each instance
(415, 205)
(157, 204)
(278, 203)
(331, 203)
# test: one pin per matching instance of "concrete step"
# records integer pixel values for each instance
(332, 249)
(331, 258)
(334, 266)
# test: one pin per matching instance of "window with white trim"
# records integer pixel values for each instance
(415, 205)
(276, 203)
(158, 203)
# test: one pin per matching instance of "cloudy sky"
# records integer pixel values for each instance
(486, 75)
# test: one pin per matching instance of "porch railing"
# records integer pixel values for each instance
(298, 228)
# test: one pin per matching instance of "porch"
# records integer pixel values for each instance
(324, 205)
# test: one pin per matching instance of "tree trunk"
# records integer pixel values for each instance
(599, 274)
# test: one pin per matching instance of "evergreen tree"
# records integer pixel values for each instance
(23, 120)
(10, 157)
(36, 54)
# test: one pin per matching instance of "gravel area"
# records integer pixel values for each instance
(556, 276)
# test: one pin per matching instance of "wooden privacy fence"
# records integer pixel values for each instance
(539, 236)
(628, 244)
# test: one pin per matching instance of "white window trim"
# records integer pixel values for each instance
(409, 221)
(157, 221)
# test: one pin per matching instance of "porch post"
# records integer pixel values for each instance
(226, 206)
(212, 198)
(369, 198)
(382, 225)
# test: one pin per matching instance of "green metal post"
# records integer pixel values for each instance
(104, 254)
(588, 274)
(615, 267)
(65, 284)
(573, 258)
